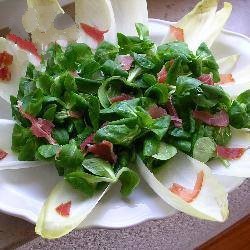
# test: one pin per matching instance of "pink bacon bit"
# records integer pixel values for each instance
(126, 61)
(5, 74)
(93, 32)
(157, 112)
(162, 75)
(174, 116)
(220, 119)
(226, 78)
(3, 154)
(6, 59)
(206, 79)
(40, 128)
(89, 140)
(177, 33)
(230, 153)
(119, 98)
(24, 44)
(186, 194)
(103, 150)
(64, 209)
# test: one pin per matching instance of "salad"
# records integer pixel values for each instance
(103, 103)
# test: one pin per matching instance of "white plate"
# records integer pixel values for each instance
(22, 192)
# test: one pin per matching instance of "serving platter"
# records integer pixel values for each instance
(23, 191)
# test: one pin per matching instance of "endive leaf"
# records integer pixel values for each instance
(227, 64)
(11, 161)
(211, 202)
(97, 14)
(203, 23)
(17, 69)
(51, 224)
(239, 167)
(241, 83)
(129, 12)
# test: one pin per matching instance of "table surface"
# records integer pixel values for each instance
(179, 230)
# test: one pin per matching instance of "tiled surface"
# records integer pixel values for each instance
(179, 231)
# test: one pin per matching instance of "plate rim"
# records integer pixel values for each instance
(17, 212)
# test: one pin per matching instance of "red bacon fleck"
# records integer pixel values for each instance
(162, 75)
(119, 98)
(174, 116)
(126, 61)
(5, 74)
(206, 79)
(3, 154)
(103, 150)
(93, 32)
(226, 78)
(157, 112)
(186, 194)
(6, 59)
(230, 153)
(24, 44)
(177, 33)
(220, 119)
(40, 128)
(64, 209)
(87, 141)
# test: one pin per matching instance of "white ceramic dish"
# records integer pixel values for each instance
(22, 192)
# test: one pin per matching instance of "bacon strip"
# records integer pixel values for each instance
(87, 141)
(186, 194)
(119, 98)
(24, 44)
(40, 128)
(126, 61)
(177, 33)
(157, 112)
(64, 209)
(226, 78)
(103, 150)
(172, 111)
(220, 119)
(3, 154)
(229, 153)
(206, 79)
(162, 75)
(93, 32)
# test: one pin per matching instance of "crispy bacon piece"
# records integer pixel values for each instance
(119, 98)
(5, 74)
(162, 75)
(220, 119)
(6, 59)
(40, 128)
(93, 32)
(206, 79)
(24, 44)
(64, 209)
(103, 150)
(226, 78)
(177, 33)
(229, 153)
(174, 116)
(156, 111)
(126, 61)
(87, 141)
(3, 154)
(186, 194)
